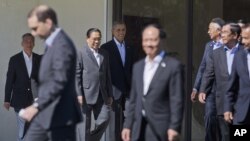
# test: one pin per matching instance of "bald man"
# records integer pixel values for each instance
(155, 108)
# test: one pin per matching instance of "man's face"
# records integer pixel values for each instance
(226, 35)
(119, 32)
(94, 40)
(151, 41)
(41, 29)
(246, 37)
(28, 43)
(214, 31)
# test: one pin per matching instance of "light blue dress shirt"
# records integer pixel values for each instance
(122, 50)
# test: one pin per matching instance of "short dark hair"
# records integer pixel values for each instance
(235, 28)
(44, 12)
(218, 21)
(115, 23)
(162, 33)
(91, 30)
(28, 35)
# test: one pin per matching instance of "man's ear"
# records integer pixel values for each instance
(49, 22)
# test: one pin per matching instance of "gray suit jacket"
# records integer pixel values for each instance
(164, 100)
(58, 105)
(91, 79)
(217, 71)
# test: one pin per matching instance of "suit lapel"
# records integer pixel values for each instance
(223, 58)
(126, 55)
(244, 61)
(33, 64)
(24, 65)
(158, 72)
(91, 55)
(101, 57)
(140, 76)
(117, 53)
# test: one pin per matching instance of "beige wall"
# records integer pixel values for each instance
(74, 16)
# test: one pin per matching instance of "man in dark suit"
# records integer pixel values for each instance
(56, 111)
(121, 61)
(214, 31)
(237, 98)
(94, 85)
(155, 108)
(218, 70)
(22, 71)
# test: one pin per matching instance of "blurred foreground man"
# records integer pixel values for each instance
(155, 108)
(56, 112)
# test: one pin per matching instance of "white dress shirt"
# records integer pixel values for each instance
(28, 62)
(150, 69)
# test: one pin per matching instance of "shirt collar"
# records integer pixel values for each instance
(118, 43)
(233, 50)
(157, 58)
(52, 36)
(26, 56)
(94, 51)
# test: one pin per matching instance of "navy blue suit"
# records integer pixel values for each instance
(237, 98)
(210, 108)
(121, 83)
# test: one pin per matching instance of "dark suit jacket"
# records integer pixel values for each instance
(163, 102)
(120, 75)
(18, 90)
(92, 79)
(201, 70)
(237, 98)
(217, 71)
(58, 105)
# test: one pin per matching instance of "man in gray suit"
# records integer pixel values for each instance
(218, 70)
(94, 85)
(155, 108)
(56, 112)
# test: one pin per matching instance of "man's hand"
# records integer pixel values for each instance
(80, 100)
(6, 105)
(29, 113)
(228, 117)
(172, 135)
(126, 134)
(193, 96)
(110, 101)
(202, 98)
